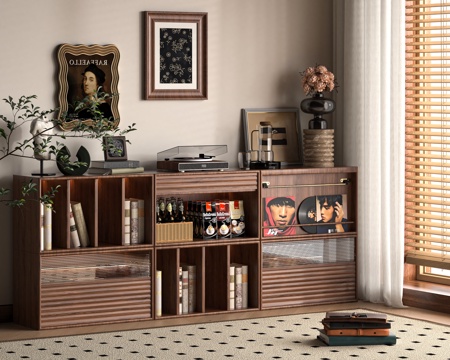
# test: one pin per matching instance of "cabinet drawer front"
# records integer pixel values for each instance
(101, 301)
(307, 285)
(95, 288)
(188, 183)
(308, 272)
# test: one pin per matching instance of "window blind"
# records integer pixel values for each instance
(427, 221)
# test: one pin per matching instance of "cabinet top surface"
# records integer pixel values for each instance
(284, 170)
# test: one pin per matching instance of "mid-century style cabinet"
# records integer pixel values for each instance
(109, 281)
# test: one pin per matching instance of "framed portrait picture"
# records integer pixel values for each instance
(88, 72)
(286, 133)
(176, 56)
(115, 148)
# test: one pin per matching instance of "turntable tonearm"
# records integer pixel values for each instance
(192, 158)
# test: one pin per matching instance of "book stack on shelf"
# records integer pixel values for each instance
(341, 328)
(78, 231)
(100, 167)
(238, 286)
(134, 221)
(187, 288)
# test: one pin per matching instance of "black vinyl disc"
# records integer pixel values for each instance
(307, 213)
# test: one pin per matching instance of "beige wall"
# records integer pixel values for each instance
(256, 49)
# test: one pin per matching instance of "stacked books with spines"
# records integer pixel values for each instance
(80, 229)
(100, 167)
(187, 288)
(238, 288)
(134, 232)
(345, 328)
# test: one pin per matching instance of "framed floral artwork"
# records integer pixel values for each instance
(88, 72)
(176, 56)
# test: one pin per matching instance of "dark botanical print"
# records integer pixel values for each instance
(175, 56)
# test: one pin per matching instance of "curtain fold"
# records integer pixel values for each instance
(369, 65)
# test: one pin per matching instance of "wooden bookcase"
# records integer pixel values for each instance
(109, 282)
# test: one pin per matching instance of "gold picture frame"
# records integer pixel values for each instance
(176, 61)
(74, 61)
(286, 139)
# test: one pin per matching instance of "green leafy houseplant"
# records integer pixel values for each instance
(24, 111)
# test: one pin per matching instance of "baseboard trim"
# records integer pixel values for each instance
(6, 313)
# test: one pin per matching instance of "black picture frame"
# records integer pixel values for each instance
(74, 60)
(115, 148)
(188, 78)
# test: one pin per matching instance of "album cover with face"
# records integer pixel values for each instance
(279, 216)
(323, 214)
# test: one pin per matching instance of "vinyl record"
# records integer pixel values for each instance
(307, 213)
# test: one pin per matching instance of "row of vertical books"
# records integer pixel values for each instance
(79, 236)
(134, 221)
(238, 286)
(187, 290)
(187, 285)
(343, 328)
(78, 230)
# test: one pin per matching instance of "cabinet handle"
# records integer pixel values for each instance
(342, 182)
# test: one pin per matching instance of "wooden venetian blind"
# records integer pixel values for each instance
(428, 133)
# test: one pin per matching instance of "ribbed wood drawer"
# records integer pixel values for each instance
(102, 301)
(81, 289)
(308, 285)
(206, 182)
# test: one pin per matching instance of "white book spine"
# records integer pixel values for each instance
(232, 287)
(126, 222)
(47, 227)
(42, 226)
(74, 238)
(180, 290)
(158, 293)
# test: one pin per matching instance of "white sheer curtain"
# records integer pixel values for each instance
(369, 126)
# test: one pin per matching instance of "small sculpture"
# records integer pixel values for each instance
(41, 128)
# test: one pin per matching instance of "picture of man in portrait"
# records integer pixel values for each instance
(279, 216)
(89, 88)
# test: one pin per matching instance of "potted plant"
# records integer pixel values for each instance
(45, 141)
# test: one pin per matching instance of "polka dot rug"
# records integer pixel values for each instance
(281, 337)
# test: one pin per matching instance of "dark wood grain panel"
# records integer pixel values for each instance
(95, 302)
(206, 182)
(308, 285)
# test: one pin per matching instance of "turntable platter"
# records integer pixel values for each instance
(192, 159)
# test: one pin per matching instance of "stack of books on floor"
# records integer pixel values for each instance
(111, 167)
(344, 328)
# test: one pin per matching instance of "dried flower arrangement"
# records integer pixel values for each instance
(317, 79)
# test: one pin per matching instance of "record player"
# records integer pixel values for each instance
(192, 158)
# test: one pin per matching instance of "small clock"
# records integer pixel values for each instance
(115, 148)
